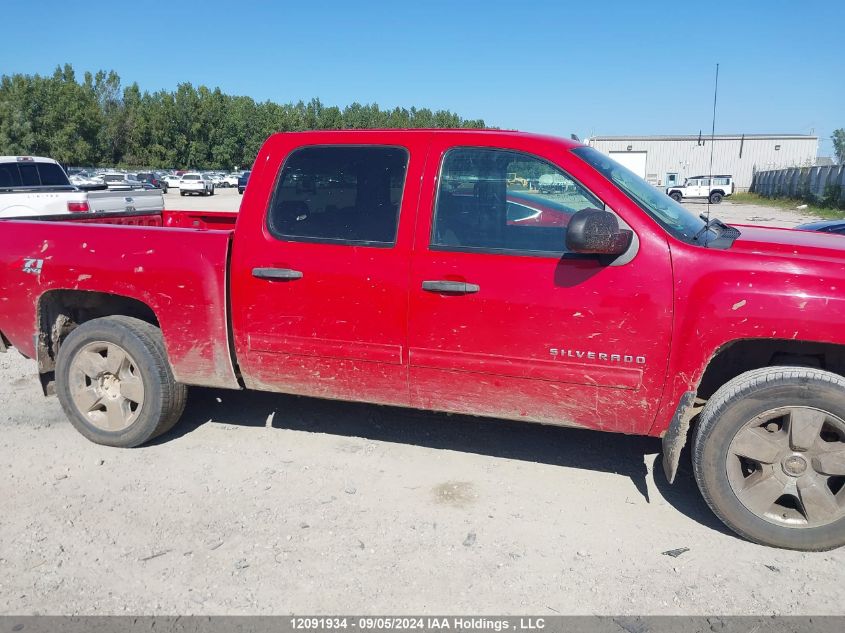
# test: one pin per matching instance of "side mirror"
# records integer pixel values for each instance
(596, 232)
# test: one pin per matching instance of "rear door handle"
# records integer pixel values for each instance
(281, 274)
(450, 287)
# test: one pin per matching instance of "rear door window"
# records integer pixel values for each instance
(340, 194)
(51, 175)
(29, 175)
(9, 175)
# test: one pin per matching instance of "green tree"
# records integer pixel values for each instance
(99, 122)
(838, 138)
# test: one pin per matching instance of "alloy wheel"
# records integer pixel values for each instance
(787, 466)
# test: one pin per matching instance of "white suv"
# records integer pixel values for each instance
(701, 187)
(196, 183)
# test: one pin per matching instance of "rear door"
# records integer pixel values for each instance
(504, 322)
(320, 283)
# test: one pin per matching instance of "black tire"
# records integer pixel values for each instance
(740, 402)
(677, 197)
(212, 190)
(164, 399)
(181, 193)
(715, 197)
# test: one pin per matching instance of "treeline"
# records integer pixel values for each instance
(98, 122)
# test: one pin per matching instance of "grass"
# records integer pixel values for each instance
(789, 203)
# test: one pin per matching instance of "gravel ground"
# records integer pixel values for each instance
(736, 213)
(268, 504)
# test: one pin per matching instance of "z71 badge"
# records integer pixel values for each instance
(32, 265)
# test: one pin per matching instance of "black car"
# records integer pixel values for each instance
(824, 226)
(242, 181)
(152, 179)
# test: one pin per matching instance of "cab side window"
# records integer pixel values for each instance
(502, 201)
(340, 194)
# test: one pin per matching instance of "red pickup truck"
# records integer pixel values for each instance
(397, 267)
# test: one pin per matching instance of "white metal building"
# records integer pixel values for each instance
(667, 160)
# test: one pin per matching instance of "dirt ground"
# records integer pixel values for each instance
(270, 504)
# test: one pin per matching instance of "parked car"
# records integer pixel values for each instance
(700, 187)
(404, 283)
(242, 182)
(551, 183)
(152, 179)
(121, 182)
(532, 210)
(172, 181)
(824, 226)
(87, 181)
(231, 180)
(196, 183)
(38, 186)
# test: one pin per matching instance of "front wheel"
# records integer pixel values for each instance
(677, 197)
(182, 193)
(769, 457)
(114, 382)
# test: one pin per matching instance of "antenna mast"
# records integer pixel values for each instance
(712, 141)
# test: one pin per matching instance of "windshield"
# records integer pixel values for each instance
(677, 220)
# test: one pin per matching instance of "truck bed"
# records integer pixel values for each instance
(97, 256)
(217, 220)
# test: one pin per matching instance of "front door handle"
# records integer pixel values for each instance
(281, 274)
(450, 287)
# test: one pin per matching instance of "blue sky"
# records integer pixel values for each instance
(556, 67)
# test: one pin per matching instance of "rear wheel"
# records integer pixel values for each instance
(677, 197)
(115, 384)
(715, 197)
(181, 193)
(769, 457)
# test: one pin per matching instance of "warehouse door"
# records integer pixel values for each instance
(635, 161)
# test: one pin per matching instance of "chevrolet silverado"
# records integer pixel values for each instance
(391, 267)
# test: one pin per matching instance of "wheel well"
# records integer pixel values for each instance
(719, 191)
(729, 362)
(744, 355)
(60, 311)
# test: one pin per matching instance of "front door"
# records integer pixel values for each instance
(322, 287)
(505, 323)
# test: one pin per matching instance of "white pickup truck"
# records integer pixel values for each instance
(36, 186)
